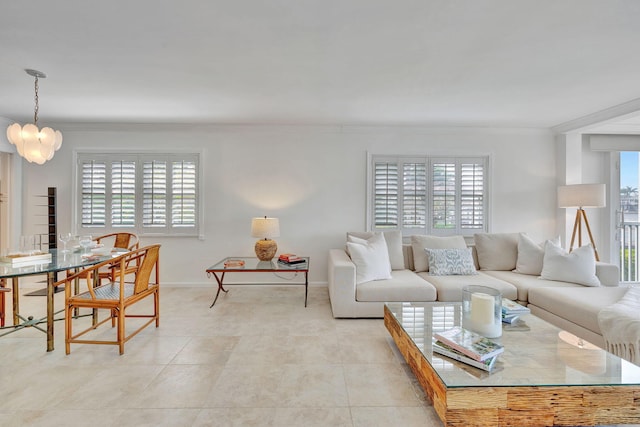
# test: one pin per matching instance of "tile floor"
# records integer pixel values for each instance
(258, 358)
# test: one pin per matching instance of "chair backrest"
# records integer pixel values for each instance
(122, 240)
(150, 258)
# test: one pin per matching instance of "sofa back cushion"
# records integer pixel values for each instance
(394, 245)
(420, 242)
(497, 251)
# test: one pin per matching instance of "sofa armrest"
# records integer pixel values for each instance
(609, 274)
(341, 282)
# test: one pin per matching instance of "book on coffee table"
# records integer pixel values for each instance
(469, 343)
(444, 350)
(511, 308)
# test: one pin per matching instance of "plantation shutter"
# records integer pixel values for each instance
(183, 193)
(437, 195)
(386, 195)
(146, 193)
(472, 196)
(444, 195)
(414, 195)
(154, 200)
(93, 189)
(123, 193)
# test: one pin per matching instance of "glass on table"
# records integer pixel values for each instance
(86, 242)
(65, 238)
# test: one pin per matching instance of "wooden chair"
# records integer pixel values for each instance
(116, 296)
(122, 240)
(3, 306)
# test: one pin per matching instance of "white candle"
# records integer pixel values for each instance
(482, 307)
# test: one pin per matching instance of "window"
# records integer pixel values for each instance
(143, 193)
(428, 195)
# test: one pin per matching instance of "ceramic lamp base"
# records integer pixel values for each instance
(266, 249)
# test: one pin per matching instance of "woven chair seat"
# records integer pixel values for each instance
(109, 291)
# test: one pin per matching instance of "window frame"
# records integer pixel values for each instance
(429, 160)
(140, 156)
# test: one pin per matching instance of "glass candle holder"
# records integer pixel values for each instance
(482, 310)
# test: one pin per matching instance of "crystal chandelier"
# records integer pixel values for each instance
(34, 144)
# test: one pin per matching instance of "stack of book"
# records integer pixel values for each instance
(290, 259)
(511, 311)
(468, 347)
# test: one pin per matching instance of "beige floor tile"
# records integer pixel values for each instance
(395, 416)
(313, 417)
(236, 417)
(379, 385)
(257, 358)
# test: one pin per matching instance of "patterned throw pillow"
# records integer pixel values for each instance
(449, 262)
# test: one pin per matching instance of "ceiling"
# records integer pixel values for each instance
(523, 63)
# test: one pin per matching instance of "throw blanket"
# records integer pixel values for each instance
(620, 326)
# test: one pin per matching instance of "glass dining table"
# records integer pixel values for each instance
(60, 261)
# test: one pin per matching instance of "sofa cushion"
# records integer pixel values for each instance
(526, 282)
(579, 305)
(446, 262)
(419, 243)
(394, 245)
(579, 266)
(450, 287)
(531, 255)
(404, 285)
(370, 257)
(497, 251)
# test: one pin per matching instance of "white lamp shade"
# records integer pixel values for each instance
(582, 196)
(265, 228)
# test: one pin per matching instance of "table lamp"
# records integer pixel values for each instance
(265, 228)
(582, 196)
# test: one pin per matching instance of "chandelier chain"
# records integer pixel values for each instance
(35, 112)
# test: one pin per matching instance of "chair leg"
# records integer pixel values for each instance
(67, 328)
(121, 318)
(2, 302)
(156, 307)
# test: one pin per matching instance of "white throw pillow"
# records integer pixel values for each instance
(394, 245)
(420, 243)
(531, 255)
(579, 266)
(496, 251)
(449, 262)
(370, 257)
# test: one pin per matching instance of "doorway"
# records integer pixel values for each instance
(627, 220)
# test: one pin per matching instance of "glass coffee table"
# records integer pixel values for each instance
(254, 265)
(545, 376)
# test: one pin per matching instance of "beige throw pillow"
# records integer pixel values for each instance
(531, 255)
(497, 251)
(419, 243)
(394, 245)
(579, 266)
(370, 257)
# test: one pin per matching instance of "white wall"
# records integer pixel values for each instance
(312, 178)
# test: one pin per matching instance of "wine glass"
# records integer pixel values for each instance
(85, 242)
(65, 238)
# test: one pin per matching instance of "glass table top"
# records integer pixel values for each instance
(536, 354)
(254, 264)
(60, 261)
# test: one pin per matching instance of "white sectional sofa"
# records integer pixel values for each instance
(501, 261)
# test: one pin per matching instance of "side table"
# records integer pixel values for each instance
(254, 265)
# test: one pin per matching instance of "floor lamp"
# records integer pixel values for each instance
(582, 196)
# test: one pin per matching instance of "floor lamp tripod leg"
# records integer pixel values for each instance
(586, 222)
(576, 228)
